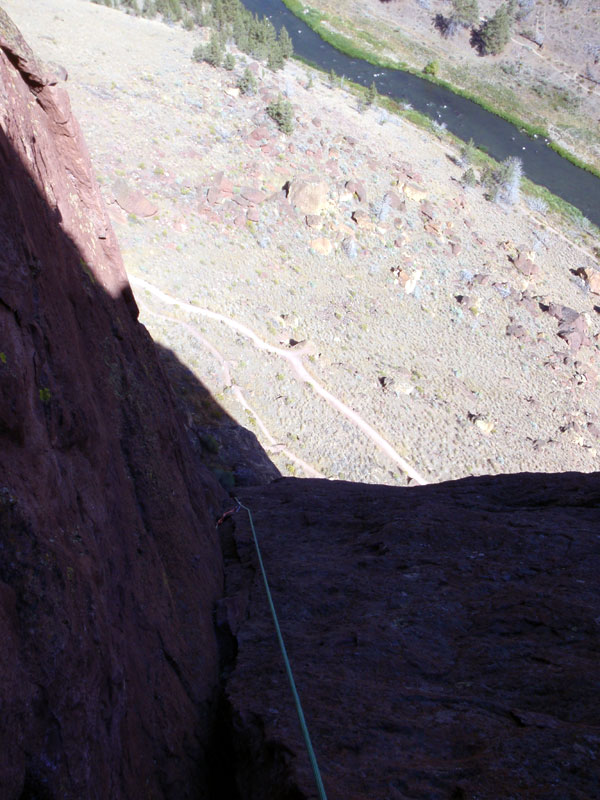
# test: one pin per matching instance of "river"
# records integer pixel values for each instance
(462, 117)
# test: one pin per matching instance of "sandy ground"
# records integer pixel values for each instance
(433, 371)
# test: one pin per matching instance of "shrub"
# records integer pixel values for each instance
(537, 204)
(229, 62)
(198, 53)
(432, 67)
(504, 183)
(469, 178)
(467, 153)
(282, 113)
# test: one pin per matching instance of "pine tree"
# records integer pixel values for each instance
(275, 58)
(285, 43)
(282, 112)
(371, 94)
(247, 83)
(214, 52)
(465, 12)
(495, 33)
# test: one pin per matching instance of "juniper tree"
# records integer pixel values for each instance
(504, 182)
(214, 51)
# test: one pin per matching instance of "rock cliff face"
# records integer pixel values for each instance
(109, 563)
(444, 638)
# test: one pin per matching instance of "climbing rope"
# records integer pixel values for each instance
(311, 753)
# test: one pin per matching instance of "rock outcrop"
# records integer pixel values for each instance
(109, 562)
(444, 638)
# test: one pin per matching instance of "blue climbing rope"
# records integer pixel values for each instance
(288, 668)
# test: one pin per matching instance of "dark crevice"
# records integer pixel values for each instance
(245, 765)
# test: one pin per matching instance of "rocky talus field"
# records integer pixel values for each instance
(337, 291)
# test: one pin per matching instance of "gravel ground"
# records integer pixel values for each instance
(433, 371)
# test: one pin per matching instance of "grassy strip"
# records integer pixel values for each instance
(314, 20)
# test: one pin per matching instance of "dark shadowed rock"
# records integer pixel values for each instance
(109, 565)
(444, 638)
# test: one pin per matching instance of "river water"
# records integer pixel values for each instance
(461, 116)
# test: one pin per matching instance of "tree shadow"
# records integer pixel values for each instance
(476, 40)
(446, 26)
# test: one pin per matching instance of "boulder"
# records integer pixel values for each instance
(592, 279)
(525, 265)
(361, 219)
(414, 192)
(393, 200)
(357, 189)
(253, 195)
(308, 195)
(132, 200)
(314, 221)
(323, 246)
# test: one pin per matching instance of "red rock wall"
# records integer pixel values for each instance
(109, 562)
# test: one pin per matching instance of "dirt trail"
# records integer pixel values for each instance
(271, 443)
(295, 361)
